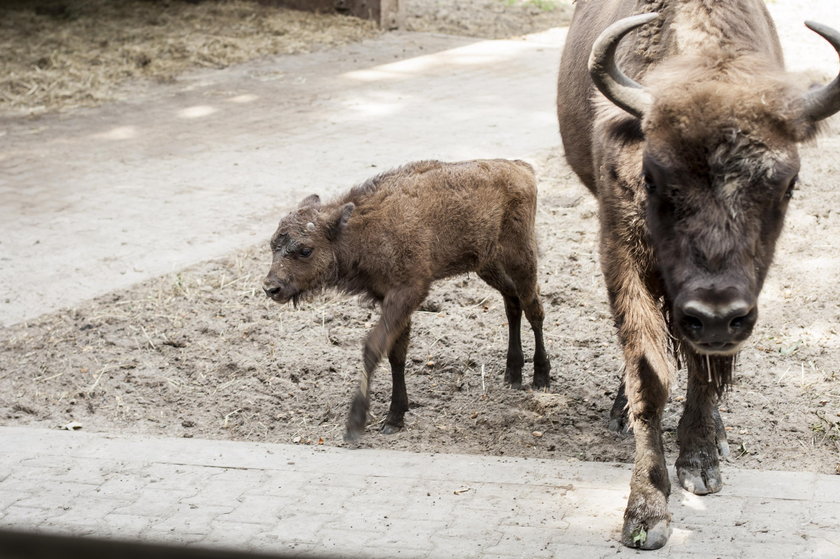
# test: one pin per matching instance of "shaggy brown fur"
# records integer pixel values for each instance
(692, 199)
(392, 236)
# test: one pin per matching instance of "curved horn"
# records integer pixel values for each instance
(825, 101)
(608, 78)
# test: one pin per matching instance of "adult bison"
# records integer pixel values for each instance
(693, 170)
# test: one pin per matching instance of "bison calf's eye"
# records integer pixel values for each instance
(305, 252)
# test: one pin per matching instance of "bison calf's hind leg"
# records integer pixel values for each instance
(523, 273)
(499, 280)
(399, 396)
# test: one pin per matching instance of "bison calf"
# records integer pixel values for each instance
(390, 237)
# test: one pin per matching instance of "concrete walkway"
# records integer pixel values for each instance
(315, 501)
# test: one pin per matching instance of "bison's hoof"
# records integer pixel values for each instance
(388, 429)
(723, 448)
(618, 423)
(700, 481)
(637, 535)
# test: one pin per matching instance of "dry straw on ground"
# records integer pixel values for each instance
(56, 55)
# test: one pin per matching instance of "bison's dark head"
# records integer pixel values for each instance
(302, 248)
(719, 163)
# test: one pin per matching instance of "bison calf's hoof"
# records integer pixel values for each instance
(541, 382)
(637, 534)
(388, 429)
(357, 418)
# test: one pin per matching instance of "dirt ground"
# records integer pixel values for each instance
(203, 353)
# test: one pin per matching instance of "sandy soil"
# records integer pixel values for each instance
(202, 353)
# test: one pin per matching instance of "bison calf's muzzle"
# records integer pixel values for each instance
(383, 240)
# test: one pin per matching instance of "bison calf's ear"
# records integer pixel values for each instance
(311, 200)
(338, 221)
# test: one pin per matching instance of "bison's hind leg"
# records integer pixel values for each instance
(619, 419)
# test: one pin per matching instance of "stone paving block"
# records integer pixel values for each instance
(827, 488)
(85, 514)
(190, 519)
(123, 484)
(333, 540)
(236, 535)
(781, 485)
(16, 516)
(515, 538)
(717, 510)
(171, 536)
(155, 503)
(825, 514)
(162, 476)
(824, 544)
(414, 534)
(221, 492)
(127, 526)
(462, 548)
(9, 497)
(270, 543)
(69, 468)
(256, 509)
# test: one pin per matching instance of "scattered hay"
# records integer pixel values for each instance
(58, 55)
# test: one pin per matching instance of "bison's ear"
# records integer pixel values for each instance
(311, 200)
(338, 221)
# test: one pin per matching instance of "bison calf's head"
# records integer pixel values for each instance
(303, 250)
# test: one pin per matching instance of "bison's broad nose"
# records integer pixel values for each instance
(716, 326)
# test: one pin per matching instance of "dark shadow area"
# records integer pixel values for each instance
(16, 544)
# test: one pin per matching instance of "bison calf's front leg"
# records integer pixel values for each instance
(397, 307)
(399, 396)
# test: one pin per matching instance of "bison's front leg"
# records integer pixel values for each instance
(700, 432)
(397, 307)
(643, 335)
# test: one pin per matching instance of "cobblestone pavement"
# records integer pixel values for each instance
(313, 500)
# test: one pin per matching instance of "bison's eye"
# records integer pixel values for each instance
(791, 187)
(305, 252)
(650, 185)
